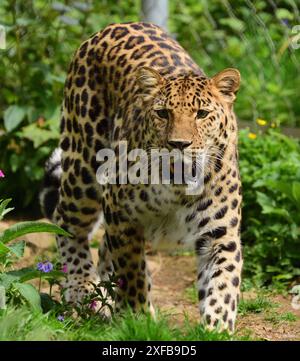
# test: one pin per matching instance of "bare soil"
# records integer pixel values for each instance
(172, 277)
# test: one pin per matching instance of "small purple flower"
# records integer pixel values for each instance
(40, 266)
(45, 267)
(60, 318)
(285, 22)
(93, 305)
(64, 268)
(2, 175)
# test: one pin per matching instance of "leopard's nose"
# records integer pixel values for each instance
(179, 144)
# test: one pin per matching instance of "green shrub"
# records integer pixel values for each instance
(270, 171)
(253, 36)
(41, 38)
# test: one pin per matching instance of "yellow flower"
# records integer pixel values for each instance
(273, 125)
(252, 136)
(261, 122)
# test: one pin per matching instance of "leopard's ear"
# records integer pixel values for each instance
(227, 83)
(149, 82)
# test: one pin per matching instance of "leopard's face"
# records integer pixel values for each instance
(191, 113)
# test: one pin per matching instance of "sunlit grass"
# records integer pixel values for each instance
(23, 324)
(256, 305)
(284, 317)
(192, 294)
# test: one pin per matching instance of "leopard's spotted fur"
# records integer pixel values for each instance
(117, 81)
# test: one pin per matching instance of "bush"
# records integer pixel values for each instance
(254, 37)
(270, 171)
(41, 39)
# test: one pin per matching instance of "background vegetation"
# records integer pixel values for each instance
(254, 36)
(270, 170)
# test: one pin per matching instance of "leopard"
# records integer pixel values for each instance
(134, 82)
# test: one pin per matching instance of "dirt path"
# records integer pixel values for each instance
(173, 293)
(173, 275)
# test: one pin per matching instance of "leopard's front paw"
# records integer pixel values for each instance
(78, 291)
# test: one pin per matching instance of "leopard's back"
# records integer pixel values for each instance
(106, 64)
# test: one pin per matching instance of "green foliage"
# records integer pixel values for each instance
(13, 116)
(30, 294)
(41, 38)
(23, 324)
(270, 171)
(13, 282)
(22, 228)
(254, 37)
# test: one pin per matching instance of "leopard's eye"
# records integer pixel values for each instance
(162, 113)
(202, 113)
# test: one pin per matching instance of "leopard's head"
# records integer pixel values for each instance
(189, 112)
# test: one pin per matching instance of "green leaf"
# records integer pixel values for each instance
(13, 116)
(290, 142)
(284, 187)
(264, 201)
(38, 274)
(32, 114)
(268, 206)
(3, 209)
(20, 272)
(22, 228)
(38, 135)
(282, 13)
(292, 191)
(6, 280)
(3, 249)
(32, 274)
(286, 276)
(234, 24)
(30, 294)
(29, 273)
(18, 248)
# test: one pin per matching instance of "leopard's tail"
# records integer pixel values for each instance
(49, 195)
